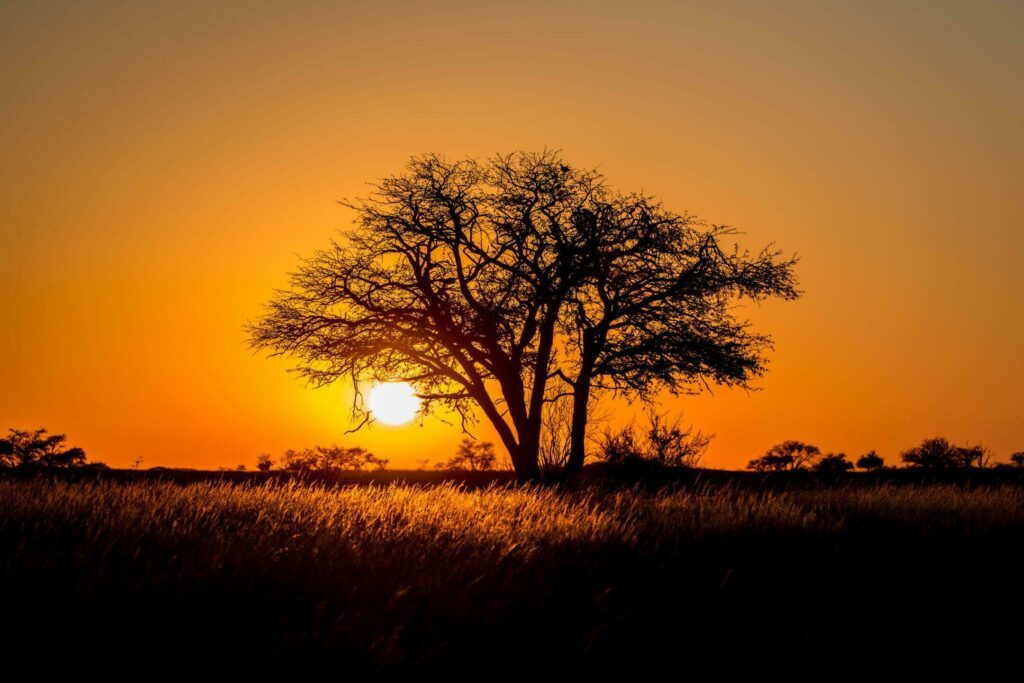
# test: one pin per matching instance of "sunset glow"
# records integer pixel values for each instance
(166, 163)
(354, 340)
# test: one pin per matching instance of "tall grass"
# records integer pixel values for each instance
(407, 578)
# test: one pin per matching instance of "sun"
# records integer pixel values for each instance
(393, 403)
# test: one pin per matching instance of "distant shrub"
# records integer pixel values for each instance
(555, 438)
(940, 454)
(331, 459)
(870, 461)
(788, 455)
(833, 463)
(264, 463)
(28, 449)
(662, 442)
(474, 456)
(1018, 459)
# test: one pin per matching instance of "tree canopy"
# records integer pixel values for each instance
(833, 463)
(471, 456)
(870, 461)
(788, 455)
(504, 285)
(38, 448)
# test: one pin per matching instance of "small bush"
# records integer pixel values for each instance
(870, 461)
(663, 442)
(833, 463)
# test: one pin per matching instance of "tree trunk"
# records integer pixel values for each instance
(578, 435)
(526, 462)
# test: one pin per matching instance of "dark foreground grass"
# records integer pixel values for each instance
(493, 581)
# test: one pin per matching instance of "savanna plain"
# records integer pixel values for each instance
(760, 575)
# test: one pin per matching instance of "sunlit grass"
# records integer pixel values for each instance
(398, 576)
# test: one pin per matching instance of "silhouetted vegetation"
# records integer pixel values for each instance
(940, 454)
(39, 449)
(788, 455)
(264, 463)
(1017, 459)
(931, 454)
(833, 463)
(331, 459)
(662, 442)
(471, 456)
(870, 461)
(507, 284)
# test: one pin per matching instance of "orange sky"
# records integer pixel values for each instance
(163, 165)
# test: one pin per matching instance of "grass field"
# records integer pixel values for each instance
(401, 578)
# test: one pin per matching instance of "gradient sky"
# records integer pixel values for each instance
(164, 164)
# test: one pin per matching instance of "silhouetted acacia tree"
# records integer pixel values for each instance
(788, 455)
(833, 463)
(264, 463)
(870, 461)
(940, 454)
(25, 449)
(475, 456)
(507, 284)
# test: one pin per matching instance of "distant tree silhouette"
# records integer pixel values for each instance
(38, 448)
(1018, 459)
(788, 455)
(771, 463)
(870, 461)
(940, 454)
(833, 463)
(306, 460)
(474, 456)
(264, 463)
(664, 442)
(6, 453)
(507, 284)
(975, 456)
(331, 459)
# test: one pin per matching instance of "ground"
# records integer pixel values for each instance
(705, 573)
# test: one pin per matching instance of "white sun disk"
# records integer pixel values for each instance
(393, 403)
